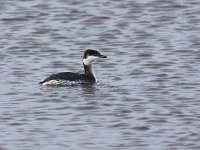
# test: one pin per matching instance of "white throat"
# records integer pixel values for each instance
(88, 65)
(89, 60)
(92, 71)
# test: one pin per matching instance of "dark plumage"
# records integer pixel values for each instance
(69, 76)
(87, 78)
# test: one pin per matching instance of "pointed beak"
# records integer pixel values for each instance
(102, 56)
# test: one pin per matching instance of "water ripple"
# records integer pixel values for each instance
(147, 96)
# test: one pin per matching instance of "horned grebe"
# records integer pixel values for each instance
(69, 78)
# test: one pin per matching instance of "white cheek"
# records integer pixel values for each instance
(89, 59)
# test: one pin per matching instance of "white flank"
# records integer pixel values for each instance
(58, 83)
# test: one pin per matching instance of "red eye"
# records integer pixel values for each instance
(94, 54)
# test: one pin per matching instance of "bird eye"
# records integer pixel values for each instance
(94, 54)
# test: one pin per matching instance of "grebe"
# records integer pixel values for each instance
(69, 78)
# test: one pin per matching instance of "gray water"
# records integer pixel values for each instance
(148, 94)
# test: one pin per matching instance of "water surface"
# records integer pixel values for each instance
(147, 96)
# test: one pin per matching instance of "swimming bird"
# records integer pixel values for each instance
(69, 78)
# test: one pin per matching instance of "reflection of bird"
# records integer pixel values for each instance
(69, 78)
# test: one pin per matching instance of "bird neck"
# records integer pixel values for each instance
(89, 71)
